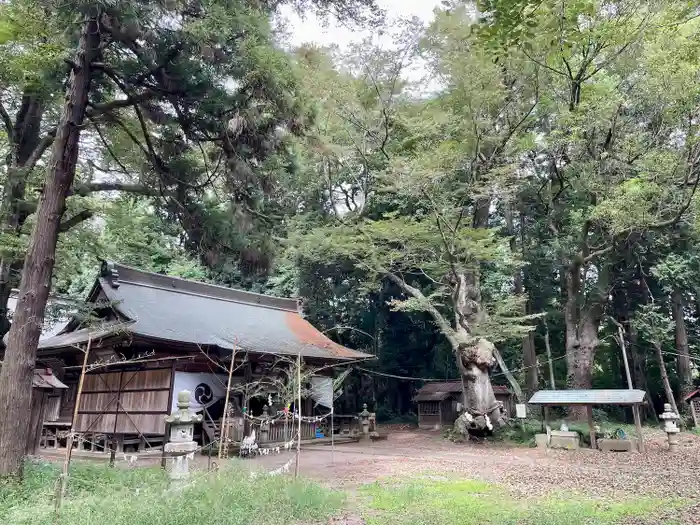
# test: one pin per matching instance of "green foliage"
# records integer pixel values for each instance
(130, 233)
(140, 497)
(327, 173)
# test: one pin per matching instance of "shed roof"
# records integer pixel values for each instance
(44, 378)
(439, 391)
(691, 395)
(588, 397)
(157, 306)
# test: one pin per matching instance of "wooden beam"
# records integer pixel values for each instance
(638, 425)
(591, 428)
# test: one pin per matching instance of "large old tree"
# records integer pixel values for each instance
(426, 228)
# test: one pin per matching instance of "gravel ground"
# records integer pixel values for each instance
(524, 472)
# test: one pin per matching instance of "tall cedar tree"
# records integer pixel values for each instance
(175, 78)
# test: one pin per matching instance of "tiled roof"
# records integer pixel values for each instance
(171, 309)
(439, 391)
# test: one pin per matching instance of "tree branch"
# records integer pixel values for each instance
(95, 110)
(94, 187)
(43, 145)
(439, 319)
(108, 147)
(84, 190)
(74, 220)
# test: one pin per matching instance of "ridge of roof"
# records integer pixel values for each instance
(112, 274)
(453, 386)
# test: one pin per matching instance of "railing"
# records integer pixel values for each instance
(279, 431)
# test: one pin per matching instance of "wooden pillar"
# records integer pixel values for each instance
(545, 421)
(694, 405)
(591, 428)
(166, 431)
(638, 426)
(248, 378)
(36, 421)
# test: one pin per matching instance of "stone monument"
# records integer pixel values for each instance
(364, 421)
(669, 424)
(181, 445)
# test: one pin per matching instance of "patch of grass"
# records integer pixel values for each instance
(469, 502)
(104, 496)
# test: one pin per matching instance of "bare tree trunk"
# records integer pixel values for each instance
(20, 356)
(664, 377)
(24, 143)
(528, 342)
(548, 347)
(475, 357)
(582, 317)
(684, 371)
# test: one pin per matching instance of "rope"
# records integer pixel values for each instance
(431, 379)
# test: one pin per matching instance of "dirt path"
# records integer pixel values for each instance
(523, 471)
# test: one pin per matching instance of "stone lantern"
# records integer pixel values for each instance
(364, 421)
(670, 425)
(181, 445)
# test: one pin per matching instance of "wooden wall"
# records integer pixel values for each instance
(125, 402)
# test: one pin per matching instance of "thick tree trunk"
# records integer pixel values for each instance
(530, 363)
(475, 358)
(20, 356)
(684, 371)
(482, 411)
(581, 335)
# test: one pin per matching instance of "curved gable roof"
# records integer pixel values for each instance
(174, 309)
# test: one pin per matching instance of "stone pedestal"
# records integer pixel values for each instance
(673, 441)
(617, 445)
(179, 456)
(564, 439)
(181, 446)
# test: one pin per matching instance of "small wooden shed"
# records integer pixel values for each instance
(437, 403)
(694, 400)
(590, 398)
(43, 384)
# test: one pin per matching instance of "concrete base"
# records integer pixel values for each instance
(541, 440)
(178, 455)
(673, 440)
(617, 445)
(558, 439)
